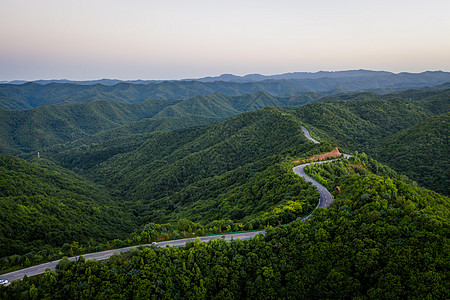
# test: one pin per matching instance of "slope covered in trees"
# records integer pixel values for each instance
(234, 173)
(165, 174)
(421, 152)
(382, 238)
(359, 125)
(224, 172)
(408, 134)
(27, 131)
(43, 205)
(193, 173)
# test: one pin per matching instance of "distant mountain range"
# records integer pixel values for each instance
(34, 94)
(251, 77)
(293, 75)
(103, 81)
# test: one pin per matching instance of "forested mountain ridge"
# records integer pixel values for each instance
(158, 177)
(359, 124)
(436, 101)
(219, 105)
(354, 125)
(389, 130)
(34, 129)
(170, 169)
(24, 131)
(28, 130)
(181, 163)
(29, 95)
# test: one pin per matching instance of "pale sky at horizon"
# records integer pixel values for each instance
(174, 39)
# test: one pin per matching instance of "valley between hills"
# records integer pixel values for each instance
(325, 199)
(90, 176)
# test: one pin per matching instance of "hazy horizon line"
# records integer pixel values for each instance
(226, 73)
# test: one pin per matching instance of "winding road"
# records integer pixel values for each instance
(325, 198)
(308, 136)
(324, 201)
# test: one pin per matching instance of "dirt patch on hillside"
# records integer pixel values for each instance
(333, 153)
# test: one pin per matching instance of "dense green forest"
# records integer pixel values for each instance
(358, 123)
(189, 173)
(25, 131)
(382, 238)
(29, 130)
(421, 152)
(45, 206)
(408, 133)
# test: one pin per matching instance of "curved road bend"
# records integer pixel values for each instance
(324, 201)
(308, 136)
(325, 197)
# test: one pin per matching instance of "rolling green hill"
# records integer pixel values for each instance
(29, 130)
(360, 124)
(224, 171)
(220, 105)
(165, 175)
(26, 131)
(405, 134)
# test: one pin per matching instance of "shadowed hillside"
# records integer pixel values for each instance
(44, 205)
(421, 152)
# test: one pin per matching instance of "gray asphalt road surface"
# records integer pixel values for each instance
(325, 196)
(308, 136)
(36, 270)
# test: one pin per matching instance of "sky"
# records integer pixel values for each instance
(175, 39)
